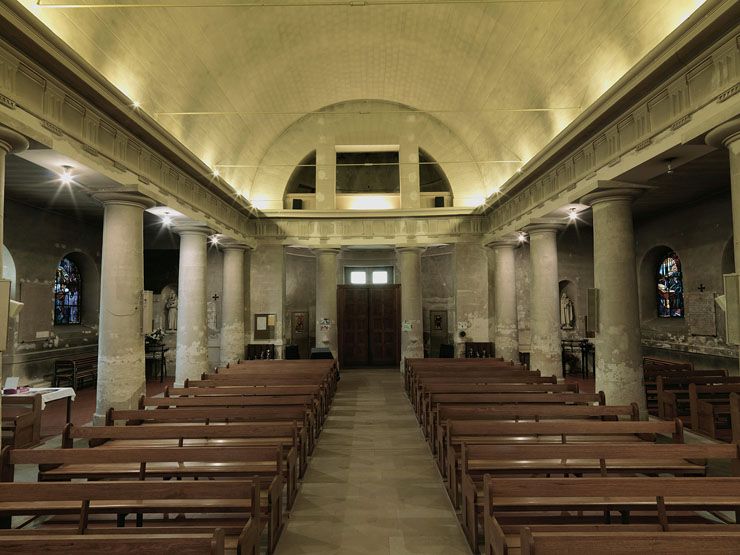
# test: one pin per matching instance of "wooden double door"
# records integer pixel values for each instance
(369, 322)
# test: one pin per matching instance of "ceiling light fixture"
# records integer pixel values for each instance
(522, 237)
(572, 214)
(214, 239)
(669, 166)
(66, 176)
(216, 173)
(166, 220)
(136, 104)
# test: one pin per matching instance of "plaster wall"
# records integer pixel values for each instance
(34, 342)
(471, 293)
(701, 235)
(438, 294)
(267, 291)
(300, 296)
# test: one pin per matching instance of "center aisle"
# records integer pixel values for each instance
(372, 486)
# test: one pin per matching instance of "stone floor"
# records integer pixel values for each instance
(372, 486)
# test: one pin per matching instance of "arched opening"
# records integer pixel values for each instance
(9, 271)
(432, 178)
(76, 291)
(303, 178)
(648, 280)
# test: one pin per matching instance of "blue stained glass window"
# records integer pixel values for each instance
(670, 287)
(67, 289)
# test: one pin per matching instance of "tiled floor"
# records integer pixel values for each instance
(372, 486)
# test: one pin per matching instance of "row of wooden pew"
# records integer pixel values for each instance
(211, 467)
(700, 398)
(536, 466)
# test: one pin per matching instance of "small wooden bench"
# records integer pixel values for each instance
(709, 406)
(75, 370)
(673, 393)
(102, 506)
(21, 420)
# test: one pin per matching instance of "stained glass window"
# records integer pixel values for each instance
(67, 287)
(670, 287)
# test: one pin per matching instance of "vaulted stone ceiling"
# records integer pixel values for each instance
(229, 78)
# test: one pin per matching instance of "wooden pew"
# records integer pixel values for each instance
(709, 406)
(102, 506)
(578, 459)
(286, 434)
(511, 504)
(673, 393)
(474, 432)
(533, 411)
(735, 417)
(209, 415)
(21, 420)
(116, 541)
(651, 378)
(452, 372)
(262, 465)
(629, 543)
(438, 400)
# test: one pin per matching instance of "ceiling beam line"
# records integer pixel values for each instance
(365, 113)
(282, 4)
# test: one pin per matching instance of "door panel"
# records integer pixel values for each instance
(369, 325)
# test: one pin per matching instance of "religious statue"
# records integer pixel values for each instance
(171, 307)
(567, 312)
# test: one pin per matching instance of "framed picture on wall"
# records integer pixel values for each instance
(438, 321)
(299, 324)
(264, 326)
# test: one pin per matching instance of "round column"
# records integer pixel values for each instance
(409, 266)
(232, 312)
(326, 298)
(192, 332)
(545, 353)
(121, 371)
(618, 340)
(506, 328)
(727, 136)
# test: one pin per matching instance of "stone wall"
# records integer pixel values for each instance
(438, 295)
(37, 240)
(300, 296)
(701, 236)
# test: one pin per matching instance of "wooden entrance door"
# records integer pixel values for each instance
(369, 325)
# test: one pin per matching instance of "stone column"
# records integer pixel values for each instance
(232, 311)
(618, 340)
(121, 376)
(727, 136)
(409, 266)
(545, 299)
(506, 328)
(326, 298)
(192, 327)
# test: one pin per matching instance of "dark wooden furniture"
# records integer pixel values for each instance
(577, 349)
(75, 370)
(479, 349)
(21, 420)
(260, 351)
(155, 358)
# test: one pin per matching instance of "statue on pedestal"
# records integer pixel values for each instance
(171, 307)
(567, 312)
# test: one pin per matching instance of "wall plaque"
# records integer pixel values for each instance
(700, 313)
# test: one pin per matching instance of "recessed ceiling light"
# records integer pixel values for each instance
(66, 175)
(522, 237)
(166, 220)
(136, 104)
(214, 239)
(572, 214)
(216, 173)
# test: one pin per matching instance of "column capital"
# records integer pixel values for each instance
(128, 198)
(506, 242)
(229, 244)
(10, 141)
(192, 228)
(544, 225)
(725, 134)
(614, 191)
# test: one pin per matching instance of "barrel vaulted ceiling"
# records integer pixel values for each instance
(237, 81)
